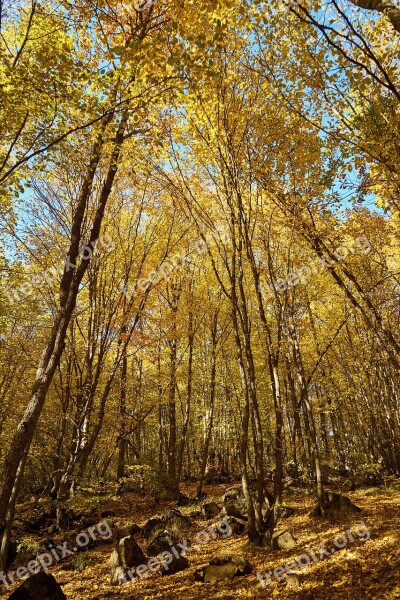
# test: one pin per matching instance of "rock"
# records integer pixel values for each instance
(211, 509)
(127, 554)
(167, 541)
(177, 522)
(292, 581)
(282, 540)
(152, 524)
(41, 586)
(334, 502)
(223, 567)
(87, 521)
(177, 564)
(162, 542)
(236, 526)
(235, 503)
(213, 573)
(242, 564)
(173, 521)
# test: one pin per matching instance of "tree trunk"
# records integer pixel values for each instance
(122, 431)
(188, 398)
(173, 344)
(206, 448)
(69, 288)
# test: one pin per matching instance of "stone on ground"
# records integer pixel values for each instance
(235, 503)
(283, 540)
(292, 581)
(223, 567)
(211, 509)
(177, 564)
(173, 521)
(228, 526)
(127, 554)
(334, 502)
(41, 586)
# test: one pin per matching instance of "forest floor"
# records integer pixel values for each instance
(368, 570)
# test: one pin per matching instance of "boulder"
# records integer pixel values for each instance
(292, 581)
(173, 521)
(177, 564)
(282, 540)
(223, 567)
(41, 586)
(211, 509)
(152, 524)
(334, 502)
(177, 522)
(235, 503)
(213, 573)
(127, 554)
(162, 541)
(227, 526)
(167, 541)
(40, 520)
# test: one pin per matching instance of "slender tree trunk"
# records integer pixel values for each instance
(69, 288)
(188, 398)
(122, 431)
(173, 344)
(6, 537)
(206, 448)
(311, 423)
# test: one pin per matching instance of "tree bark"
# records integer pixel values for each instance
(69, 288)
(206, 448)
(386, 7)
